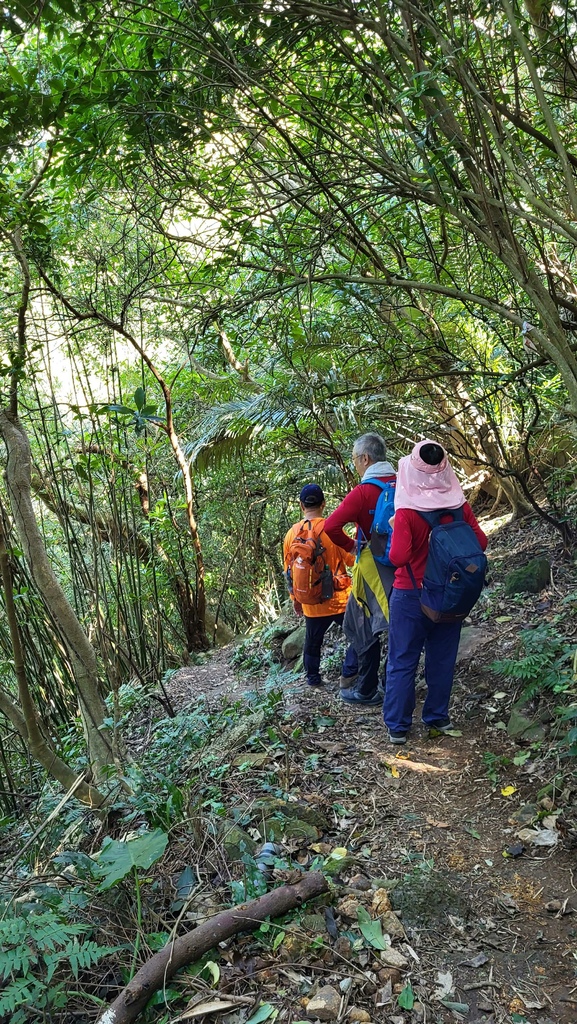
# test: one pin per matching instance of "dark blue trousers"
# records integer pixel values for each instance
(409, 631)
(316, 628)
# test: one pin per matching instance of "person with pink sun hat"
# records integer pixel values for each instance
(428, 497)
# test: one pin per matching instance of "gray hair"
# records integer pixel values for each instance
(372, 445)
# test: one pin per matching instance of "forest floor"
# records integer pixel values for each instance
(489, 920)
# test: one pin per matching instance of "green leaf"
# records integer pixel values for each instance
(372, 930)
(118, 858)
(156, 940)
(140, 398)
(214, 970)
(16, 75)
(120, 408)
(406, 998)
(264, 1011)
(435, 733)
(68, 7)
(472, 832)
(186, 882)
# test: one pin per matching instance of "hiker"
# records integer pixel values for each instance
(429, 614)
(367, 610)
(320, 587)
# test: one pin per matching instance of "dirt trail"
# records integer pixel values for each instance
(443, 834)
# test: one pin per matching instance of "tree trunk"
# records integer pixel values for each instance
(82, 656)
(26, 722)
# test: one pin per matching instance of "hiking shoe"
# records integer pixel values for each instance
(398, 739)
(315, 682)
(354, 697)
(348, 682)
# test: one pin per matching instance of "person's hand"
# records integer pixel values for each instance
(392, 522)
(298, 609)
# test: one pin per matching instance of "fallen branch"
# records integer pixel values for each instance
(415, 766)
(190, 947)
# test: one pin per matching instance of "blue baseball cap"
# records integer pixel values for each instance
(312, 496)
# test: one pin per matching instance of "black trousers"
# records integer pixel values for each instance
(316, 627)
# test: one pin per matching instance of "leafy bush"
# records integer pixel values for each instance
(544, 664)
(548, 664)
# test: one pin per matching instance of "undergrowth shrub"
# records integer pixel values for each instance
(546, 664)
(41, 954)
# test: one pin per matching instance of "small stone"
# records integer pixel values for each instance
(535, 733)
(287, 621)
(314, 923)
(419, 1011)
(294, 644)
(525, 814)
(349, 907)
(325, 1005)
(385, 995)
(345, 984)
(518, 724)
(560, 907)
(397, 1020)
(357, 1013)
(517, 850)
(530, 578)
(360, 882)
(393, 958)
(235, 840)
(295, 945)
(392, 926)
(381, 902)
(294, 828)
(343, 947)
(390, 975)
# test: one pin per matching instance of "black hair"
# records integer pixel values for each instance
(432, 454)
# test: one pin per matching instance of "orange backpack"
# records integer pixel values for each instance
(309, 578)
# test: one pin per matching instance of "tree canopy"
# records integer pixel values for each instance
(235, 236)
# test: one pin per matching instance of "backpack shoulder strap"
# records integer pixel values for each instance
(434, 518)
(317, 531)
(431, 518)
(379, 483)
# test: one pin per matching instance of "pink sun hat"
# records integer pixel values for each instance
(425, 488)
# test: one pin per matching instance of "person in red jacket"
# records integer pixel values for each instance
(369, 460)
(426, 482)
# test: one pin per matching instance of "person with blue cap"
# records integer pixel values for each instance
(319, 585)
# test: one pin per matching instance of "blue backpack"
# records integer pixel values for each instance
(455, 569)
(381, 532)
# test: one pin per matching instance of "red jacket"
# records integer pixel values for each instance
(358, 507)
(410, 543)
